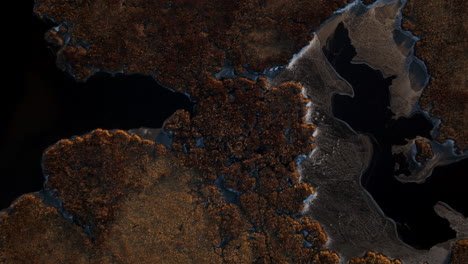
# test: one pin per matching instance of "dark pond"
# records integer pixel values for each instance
(410, 205)
(44, 105)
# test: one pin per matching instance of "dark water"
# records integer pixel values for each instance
(44, 105)
(409, 204)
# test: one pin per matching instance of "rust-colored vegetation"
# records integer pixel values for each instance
(424, 150)
(32, 232)
(94, 173)
(130, 200)
(134, 201)
(252, 134)
(228, 191)
(460, 252)
(181, 41)
(441, 25)
(326, 257)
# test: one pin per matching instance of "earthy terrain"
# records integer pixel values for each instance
(227, 189)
